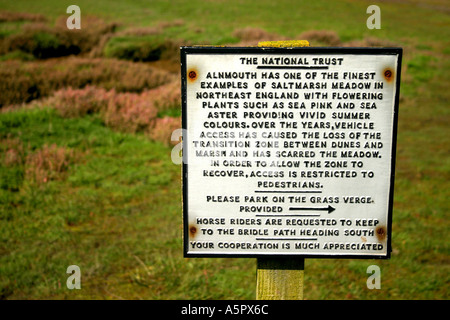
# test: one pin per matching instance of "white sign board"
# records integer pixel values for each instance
(289, 151)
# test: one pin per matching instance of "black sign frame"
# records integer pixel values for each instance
(213, 50)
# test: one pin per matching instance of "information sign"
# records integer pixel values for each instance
(289, 151)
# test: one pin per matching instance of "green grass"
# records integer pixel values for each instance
(117, 216)
(17, 55)
(10, 28)
(116, 213)
(217, 19)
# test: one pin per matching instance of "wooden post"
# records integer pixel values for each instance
(280, 278)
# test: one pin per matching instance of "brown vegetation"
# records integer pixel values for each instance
(251, 36)
(123, 111)
(23, 82)
(370, 42)
(8, 16)
(164, 127)
(79, 102)
(320, 37)
(48, 163)
(44, 41)
(130, 112)
(13, 150)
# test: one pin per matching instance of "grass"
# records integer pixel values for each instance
(411, 19)
(120, 200)
(115, 210)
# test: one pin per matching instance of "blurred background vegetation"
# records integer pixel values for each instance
(86, 176)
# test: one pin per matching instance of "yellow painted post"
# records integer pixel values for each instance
(284, 43)
(280, 278)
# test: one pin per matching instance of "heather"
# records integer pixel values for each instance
(122, 111)
(23, 82)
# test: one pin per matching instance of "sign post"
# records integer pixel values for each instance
(280, 279)
(288, 153)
